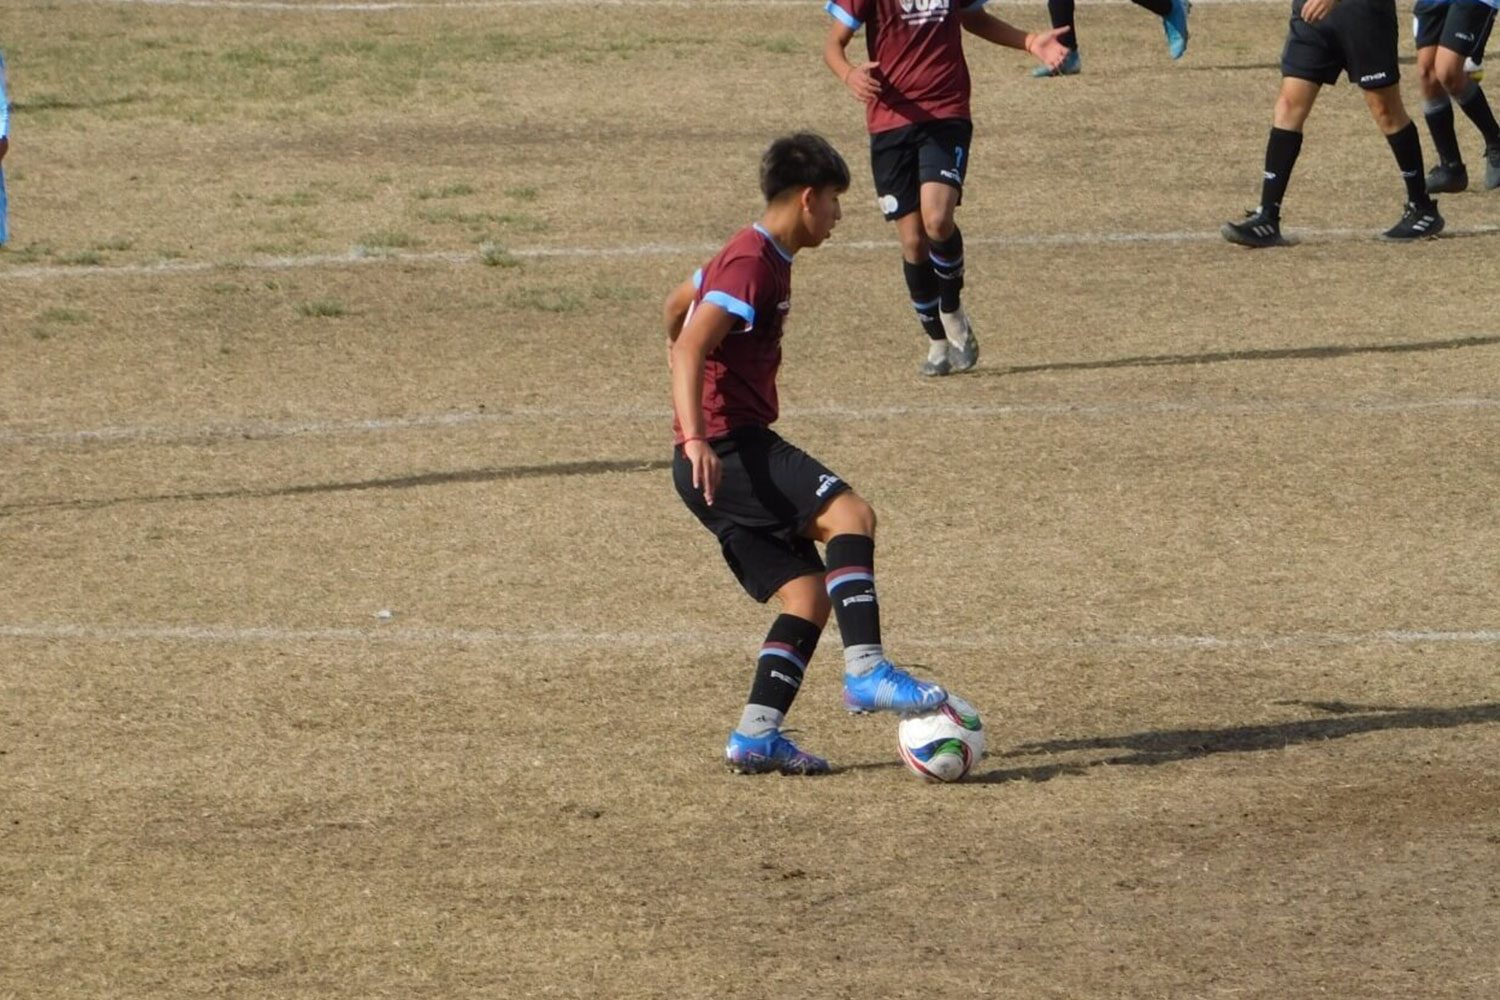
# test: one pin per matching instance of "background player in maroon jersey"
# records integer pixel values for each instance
(915, 88)
(763, 498)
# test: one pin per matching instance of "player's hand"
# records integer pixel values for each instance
(1047, 46)
(862, 81)
(707, 471)
(1314, 11)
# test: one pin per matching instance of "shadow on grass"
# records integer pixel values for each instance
(1258, 354)
(556, 470)
(1171, 745)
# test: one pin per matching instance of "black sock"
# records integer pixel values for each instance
(851, 586)
(778, 672)
(1474, 104)
(922, 282)
(1439, 115)
(947, 258)
(1061, 13)
(1282, 149)
(1407, 145)
(1161, 8)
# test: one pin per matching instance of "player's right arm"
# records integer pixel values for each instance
(861, 80)
(676, 309)
(704, 330)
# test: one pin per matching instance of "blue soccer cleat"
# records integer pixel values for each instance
(1070, 66)
(1176, 27)
(771, 752)
(889, 689)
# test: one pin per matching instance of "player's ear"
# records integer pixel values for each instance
(805, 199)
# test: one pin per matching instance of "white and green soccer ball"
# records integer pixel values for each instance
(943, 744)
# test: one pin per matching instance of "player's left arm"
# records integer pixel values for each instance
(677, 308)
(1046, 46)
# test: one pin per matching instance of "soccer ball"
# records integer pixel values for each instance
(941, 745)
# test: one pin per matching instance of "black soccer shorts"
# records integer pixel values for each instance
(903, 159)
(770, 492)
(1359, 37)
(1454, 24)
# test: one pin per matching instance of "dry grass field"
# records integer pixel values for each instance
(313, 314)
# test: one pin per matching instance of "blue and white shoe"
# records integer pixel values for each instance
(1176, 27)
(771, 752)
(1071, 65)
(890, 689)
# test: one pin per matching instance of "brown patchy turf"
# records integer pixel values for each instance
(1159, 537)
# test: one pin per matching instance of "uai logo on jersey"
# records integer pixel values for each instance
(923, 11)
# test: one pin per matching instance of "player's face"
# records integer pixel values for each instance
(822, 213)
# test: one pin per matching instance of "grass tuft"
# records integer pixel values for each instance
(321, 308)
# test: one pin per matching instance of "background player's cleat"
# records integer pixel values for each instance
(1258, 230)
(1070, 66)
(1418, 222)
(1491, 167)
(1447, 178)
(771, 752)
(1475, 68)
(963, 346)
(937, 363)
(889, 689)
(1176, 26)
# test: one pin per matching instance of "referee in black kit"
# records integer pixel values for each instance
(1326, 38)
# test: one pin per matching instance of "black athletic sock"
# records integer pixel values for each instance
(851, 586)
(1407, 145)
(1061, 13)
(922, 282)
(1161, 8)
(778, 673)
(947, 258)
(1282, 149)
(1439, 115)
(1474, 104)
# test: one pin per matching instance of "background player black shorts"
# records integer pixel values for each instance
(905, 158)
(1359, 37)
(770, 492)
(1454, 24)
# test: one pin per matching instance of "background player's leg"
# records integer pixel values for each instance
(1420, 220)
(756, 745)
(1061, 14)
(1262, 228)
(1449, 70)
(922, 283)
(946, 252)
(1449, 174)
(846, 524)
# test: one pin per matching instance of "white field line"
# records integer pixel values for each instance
(366, 256)
(264, 430)
(379, 6)
(613, 639)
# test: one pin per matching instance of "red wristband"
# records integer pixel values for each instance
(695, 437)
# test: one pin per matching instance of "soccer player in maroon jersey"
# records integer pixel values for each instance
(766, 500)
(915, 88)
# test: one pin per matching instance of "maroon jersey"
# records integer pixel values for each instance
(751, 279)
(919, 46)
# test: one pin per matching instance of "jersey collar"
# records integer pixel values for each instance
(772, 240)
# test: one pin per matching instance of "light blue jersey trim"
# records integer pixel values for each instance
(843, 15)
(784, 255)
(4, 103)
(698, 280)
(733, 306)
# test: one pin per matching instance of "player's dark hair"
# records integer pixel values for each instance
(799, 161)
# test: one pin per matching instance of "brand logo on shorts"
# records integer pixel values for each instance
(1374, 77)
(888, 204)
(1464, 36)
(952, 175)
(826, 483)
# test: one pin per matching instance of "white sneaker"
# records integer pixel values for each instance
(937, 363)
